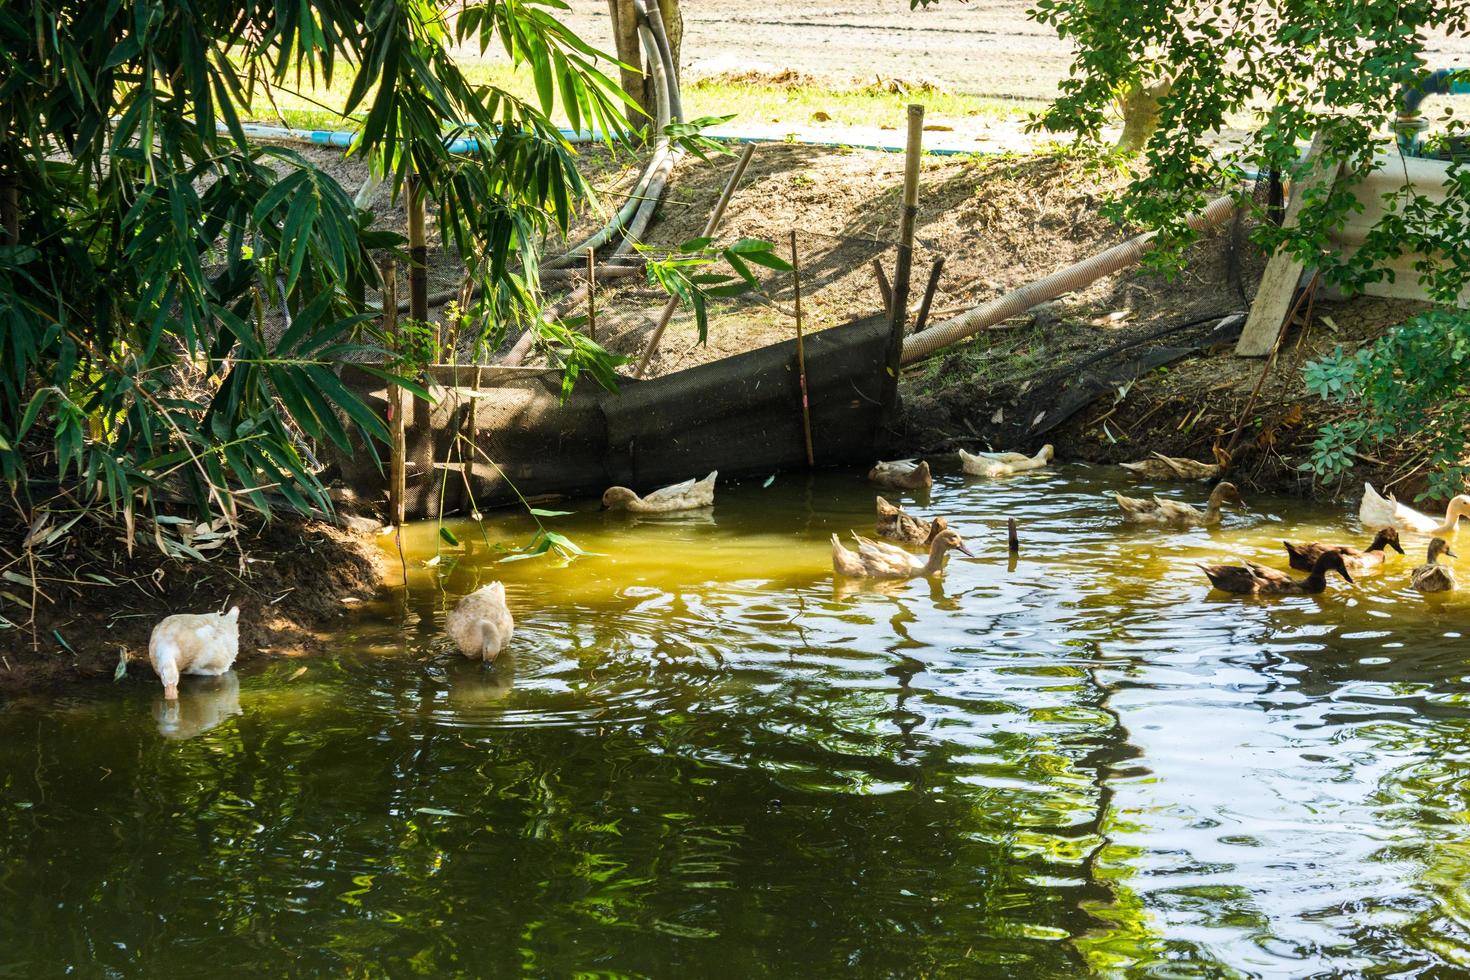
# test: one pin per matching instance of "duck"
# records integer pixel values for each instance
(1304, 556)
(1432, 576)
(689, 495)
(874, 559)
(1161, 511)
(193, 643)
(895, 524)
(481, 624)
(1377, 510)
(1254, 579)
(902, 474)
(1004, 464)
(1161, 467)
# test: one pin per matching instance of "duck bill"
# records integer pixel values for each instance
(1347, 576)
(962, 549)
(1450, 554)
(170, 692)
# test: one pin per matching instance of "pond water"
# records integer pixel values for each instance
(704, 757)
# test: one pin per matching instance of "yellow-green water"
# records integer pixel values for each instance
(704, 758)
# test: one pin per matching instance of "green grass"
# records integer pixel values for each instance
(319, 107)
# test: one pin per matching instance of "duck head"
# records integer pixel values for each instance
(1459, 507)
(1225, 492)
(1047, 452)
(617, 498)
(1386, 537)
(1331, 561)
(1437, 547)
(949, 539)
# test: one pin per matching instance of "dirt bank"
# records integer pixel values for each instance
(292, 580)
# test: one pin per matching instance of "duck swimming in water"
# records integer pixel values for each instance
(689, 495)
(1304, 556)
(896, 524)
(481, 624)
(1377, 510)
(1432, 576)
(902, 474)
(1161, 511)
(1004, 464)
(874, 559)
(1254, 579)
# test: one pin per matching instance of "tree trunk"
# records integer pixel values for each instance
(634, 80)
(1140, 106)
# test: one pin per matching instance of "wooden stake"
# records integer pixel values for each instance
(898, 312)
(1013, 543)
(592, 293)
(806, 408)
(884, 290)
(934, 270)
(397, 473)
(709, 230)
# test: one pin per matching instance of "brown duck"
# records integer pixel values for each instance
(896, 524)
(1254, 579)
(1304, 556)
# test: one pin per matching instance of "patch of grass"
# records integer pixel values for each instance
(794, 106)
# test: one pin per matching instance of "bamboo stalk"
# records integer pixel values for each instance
(397, 465)
(806, 408)
(934, 270)
(709, 230)
(418, 254)
(592, 294)
(898, 312)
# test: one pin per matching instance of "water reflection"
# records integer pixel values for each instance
(203, 703)
(705, 756)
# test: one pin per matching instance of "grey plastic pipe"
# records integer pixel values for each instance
(918, 346)
(663, 149)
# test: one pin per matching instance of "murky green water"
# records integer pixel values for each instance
(704, 759)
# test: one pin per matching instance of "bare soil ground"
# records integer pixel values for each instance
(291, 580)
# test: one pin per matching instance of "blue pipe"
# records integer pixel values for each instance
(346, 139)
(1410, 125)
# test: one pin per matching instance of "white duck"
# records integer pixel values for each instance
(203, 643)
(1003, 464)
(689, 495)
(902, 474)
(1377, 510)
(481, 624)
(874, 559)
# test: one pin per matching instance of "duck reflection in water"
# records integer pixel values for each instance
(203, 703)
(473, 684)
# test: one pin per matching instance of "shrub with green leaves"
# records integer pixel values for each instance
(146, 237)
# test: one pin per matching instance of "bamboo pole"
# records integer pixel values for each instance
(397, 473)
(934, 270)
(898, 313)
(709, 230)
(592, 294)
(806, 408)
(418, 254)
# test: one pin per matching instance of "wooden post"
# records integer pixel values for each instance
(709, 230)
(1278, 286)
(806, 408)
(1013, 542)
(397, 475)
(884, 290)
(418, 254)
(934, 270)
(898, 313)
(592, 293)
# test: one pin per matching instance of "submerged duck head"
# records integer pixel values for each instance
(617, 497)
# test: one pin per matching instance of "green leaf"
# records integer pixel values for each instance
(448, 535)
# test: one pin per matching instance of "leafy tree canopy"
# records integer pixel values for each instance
(145, 235)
